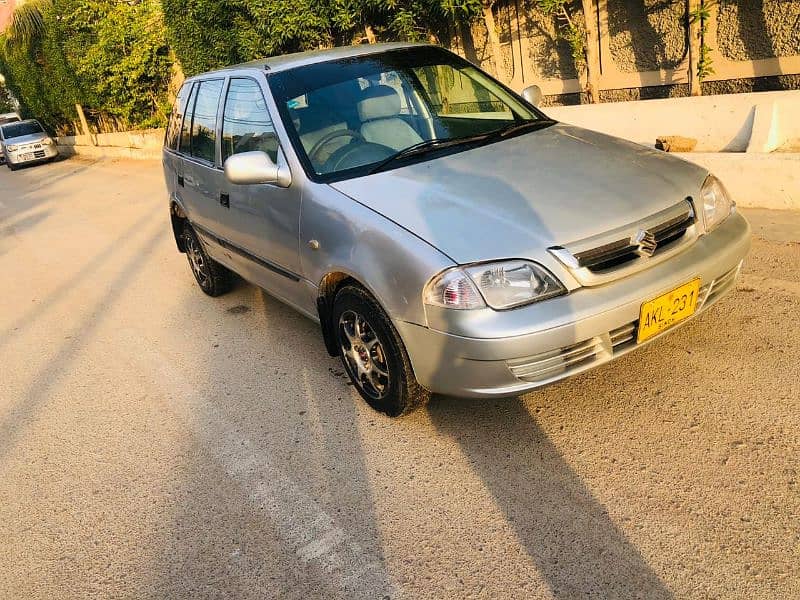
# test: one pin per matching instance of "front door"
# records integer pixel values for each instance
(262, 223)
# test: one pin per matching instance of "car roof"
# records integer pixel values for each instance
(300, 59)
(15, 123)
(18, 122)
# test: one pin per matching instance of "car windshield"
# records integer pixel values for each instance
(16, 130)
(354, 116)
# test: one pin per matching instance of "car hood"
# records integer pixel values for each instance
(515, 198)
(26, 139)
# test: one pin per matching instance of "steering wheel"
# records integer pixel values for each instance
(355, 155)
(312, 155)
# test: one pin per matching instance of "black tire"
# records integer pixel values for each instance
(12, 167)
(377, 349)
(212, 277)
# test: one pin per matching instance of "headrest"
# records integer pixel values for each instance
(379, 102)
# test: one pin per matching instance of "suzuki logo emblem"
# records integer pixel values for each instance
(646, 241)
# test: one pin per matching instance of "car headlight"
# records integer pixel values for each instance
(500, 285)
(47, 141)
(717, 204)
(12, 148)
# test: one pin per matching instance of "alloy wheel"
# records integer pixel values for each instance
(364, 355)
(197, 260)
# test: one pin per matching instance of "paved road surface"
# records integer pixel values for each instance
(158, 443)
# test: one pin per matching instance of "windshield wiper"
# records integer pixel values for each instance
(426, 146)
(525, 125)
(431, 145)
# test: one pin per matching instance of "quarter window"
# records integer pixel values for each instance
(175, 121)
(186, 128)
(246, 125)
(204, 120)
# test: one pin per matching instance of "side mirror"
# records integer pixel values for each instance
(251, 168)
(533, 94)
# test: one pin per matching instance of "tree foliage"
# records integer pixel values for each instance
(112, 57)
(115, 57)
(700, 16)
(6, 104)
(207, 34)
(27, 23)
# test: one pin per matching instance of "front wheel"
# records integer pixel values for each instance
(373, 354)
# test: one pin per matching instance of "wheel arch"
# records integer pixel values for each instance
(329, 286)
(178, 219)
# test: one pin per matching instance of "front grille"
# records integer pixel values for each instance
(609, 256)
(38, 154)
(628, 249)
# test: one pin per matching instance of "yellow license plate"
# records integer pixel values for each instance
(667, 310)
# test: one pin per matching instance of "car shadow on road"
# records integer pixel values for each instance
(565, 530)
(47, 175)
(58, 366)
(104, 256)
(290, 509)
(21, 225)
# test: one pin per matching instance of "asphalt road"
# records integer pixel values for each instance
(157, 443)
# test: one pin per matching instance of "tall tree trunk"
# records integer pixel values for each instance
(494, 40)
(85, 124)
(591, 51)
(695, 42)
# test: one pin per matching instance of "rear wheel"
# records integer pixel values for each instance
(212, 277)
(373, 354)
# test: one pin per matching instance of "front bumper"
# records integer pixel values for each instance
(47, 152)
(508, 353)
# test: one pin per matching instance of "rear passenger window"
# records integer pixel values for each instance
(204, 120)
(186, 129)
(246, 126)
(176, 119)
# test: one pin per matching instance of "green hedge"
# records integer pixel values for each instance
(111, 57)
(114, 58)
(208, 34)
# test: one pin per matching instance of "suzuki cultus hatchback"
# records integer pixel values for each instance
(446, 234)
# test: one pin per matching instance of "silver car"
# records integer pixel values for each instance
(446, 234)
(4, 119)
(25, 143)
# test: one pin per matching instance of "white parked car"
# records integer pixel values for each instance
(26, 142)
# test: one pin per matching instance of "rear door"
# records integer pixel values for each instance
(202, 174)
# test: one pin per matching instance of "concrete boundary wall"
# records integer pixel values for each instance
(758, 122)
(127, 144)
(523, 52)
(755, 180)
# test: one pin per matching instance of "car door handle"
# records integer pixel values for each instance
(180, 180)
(225, 200)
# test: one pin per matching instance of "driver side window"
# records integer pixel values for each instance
(246, 125)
